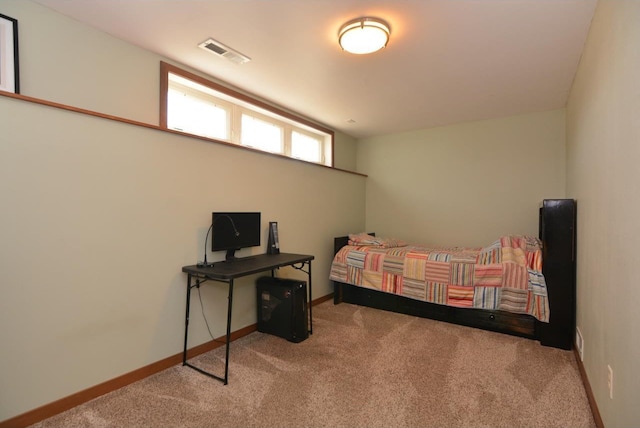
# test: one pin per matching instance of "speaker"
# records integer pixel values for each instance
(282, 308)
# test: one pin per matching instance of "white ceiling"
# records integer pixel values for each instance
(448, 61)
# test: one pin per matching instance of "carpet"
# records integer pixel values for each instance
(362, 367)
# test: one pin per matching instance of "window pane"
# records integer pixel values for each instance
(261, 134)
(190, 114)
(305, 147)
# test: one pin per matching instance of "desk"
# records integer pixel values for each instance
(227, 271)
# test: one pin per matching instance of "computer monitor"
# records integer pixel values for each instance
(233, 231)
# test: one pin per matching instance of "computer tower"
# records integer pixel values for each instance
(282, 308)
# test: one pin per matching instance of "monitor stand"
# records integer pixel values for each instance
(231, 256)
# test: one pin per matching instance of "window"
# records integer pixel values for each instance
(261, 134)
(306, 147)
(195, 114)
(192, 104)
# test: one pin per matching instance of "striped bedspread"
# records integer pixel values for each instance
(506, 275)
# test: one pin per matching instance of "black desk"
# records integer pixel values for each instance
(227, 271)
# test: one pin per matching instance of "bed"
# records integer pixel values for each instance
(519, 285)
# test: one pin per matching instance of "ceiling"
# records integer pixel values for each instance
(448, 61)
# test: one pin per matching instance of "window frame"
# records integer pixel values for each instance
(254, 107)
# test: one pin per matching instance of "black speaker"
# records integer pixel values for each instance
(282, 308)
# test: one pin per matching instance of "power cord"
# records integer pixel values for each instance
(205, 319)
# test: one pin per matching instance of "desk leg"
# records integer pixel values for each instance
(310, 302)
(224, 379)
(229, 307)
(186, 321)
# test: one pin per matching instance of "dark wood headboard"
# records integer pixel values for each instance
(558, 236)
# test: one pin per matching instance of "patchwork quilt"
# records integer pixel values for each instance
(506, 275)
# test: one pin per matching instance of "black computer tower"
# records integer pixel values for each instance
(282, 308)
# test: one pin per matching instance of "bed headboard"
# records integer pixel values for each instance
(341, 241)
(558, 236)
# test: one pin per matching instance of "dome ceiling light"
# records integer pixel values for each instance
(364, 35)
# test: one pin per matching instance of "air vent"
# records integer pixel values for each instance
(218, 48)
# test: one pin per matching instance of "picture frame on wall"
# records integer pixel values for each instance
(9, 76)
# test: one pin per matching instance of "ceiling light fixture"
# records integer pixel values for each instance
(364, 35)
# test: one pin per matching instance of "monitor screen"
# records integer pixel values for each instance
(232, 231)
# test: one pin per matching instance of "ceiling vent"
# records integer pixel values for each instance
(218, 48)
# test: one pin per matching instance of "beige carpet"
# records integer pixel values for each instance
(361, 368)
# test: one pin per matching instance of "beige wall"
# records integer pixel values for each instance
(603, 140)
(345, 152)
(99, 217)
(466, 184)
(70, 63)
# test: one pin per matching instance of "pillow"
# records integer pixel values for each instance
(522, 249)
(363, 239)
(524, 242)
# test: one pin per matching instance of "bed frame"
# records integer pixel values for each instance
(557, 231)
